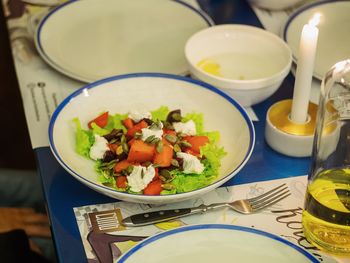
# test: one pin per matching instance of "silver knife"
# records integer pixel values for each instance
(244, 206)
(165, 215)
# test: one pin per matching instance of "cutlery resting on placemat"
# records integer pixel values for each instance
(244, 206)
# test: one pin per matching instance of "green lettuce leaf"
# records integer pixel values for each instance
(168, 192)
(117, 121)
(160, 114)
(197, 119)
(213, 155)
(212, 162)
(105, 176)
(213, 136)
(98, 130)
(189, 182)
(110, 124)
(83, 139)
(113, 121)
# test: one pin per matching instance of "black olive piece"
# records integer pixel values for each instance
(122, 156)
(108, 157)
(114, 134)
(174, 116)
(165, 173)
(168, 125)
(180, 161)
(148, 121)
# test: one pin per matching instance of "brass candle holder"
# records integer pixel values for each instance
(287, 137)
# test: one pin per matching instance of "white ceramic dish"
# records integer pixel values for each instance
(257, 60)
(94, 39)
(275, 4)
(215, 243)
(334, 38)
(148, 91)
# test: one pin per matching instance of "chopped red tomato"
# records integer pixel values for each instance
(130, 142)
(120, 166)
(136, 128)
(153, 188)
(189, 151)
(128, 123)
(196, 142)
(121, 181)
(163, 159)
(167, 131)
(100, 121)
(141, 152)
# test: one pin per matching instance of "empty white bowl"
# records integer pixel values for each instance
(252, 62)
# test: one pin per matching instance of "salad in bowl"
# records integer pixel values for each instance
(152, 153)
(150, 137)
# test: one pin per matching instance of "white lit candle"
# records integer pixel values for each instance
(304, 72)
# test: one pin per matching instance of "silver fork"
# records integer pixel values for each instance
(243, 206)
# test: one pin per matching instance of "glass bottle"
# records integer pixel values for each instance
(326, 217)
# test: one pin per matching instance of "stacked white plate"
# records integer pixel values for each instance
(94, 39)
(334, 33)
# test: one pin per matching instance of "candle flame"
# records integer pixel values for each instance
(315, 19)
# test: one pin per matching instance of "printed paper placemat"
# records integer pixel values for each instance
(105, 239)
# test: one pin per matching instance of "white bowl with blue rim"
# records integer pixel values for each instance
(246, 62)
(216, 243)
(124, 93)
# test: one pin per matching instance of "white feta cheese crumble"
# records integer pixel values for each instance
(140, 177)
(99, 148)
(149, 132)
(187, 128)
(191, 164)
(137, 116)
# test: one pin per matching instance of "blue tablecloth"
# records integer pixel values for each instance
(63, 192)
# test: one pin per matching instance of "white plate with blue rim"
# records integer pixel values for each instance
(334, 38)
(215, 243)
(148, 91)
(94, 39)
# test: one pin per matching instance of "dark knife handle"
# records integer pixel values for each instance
(155, 217)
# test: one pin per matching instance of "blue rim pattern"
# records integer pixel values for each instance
(200, 84)
(152, 239)
(300, 11)
(203, 15)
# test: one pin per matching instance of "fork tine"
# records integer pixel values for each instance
(265, 194)
(260, 199)
(272, 201)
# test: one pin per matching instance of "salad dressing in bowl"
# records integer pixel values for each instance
(239, 66)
